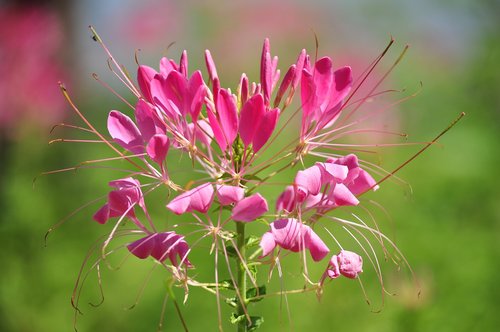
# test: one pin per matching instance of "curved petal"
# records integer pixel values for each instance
(251, 116)
(250, 208)
(142, 248)
(267, 243)
(266, 129)
(124, 132)
(229, 194)
(157, 148)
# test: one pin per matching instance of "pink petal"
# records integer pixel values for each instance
(102, 215)
(229, 194)
(285, 84)
(332, 172)
(124, 132)
(212, 71)
(341, 87)
(176, 90)
(323, 77)
(142, 248)
(148, 121)
(145, 75)
(333, 270)
(228, 115)
(266, 129)
(267, 243)
(243, 89)
(157, 148)
(288, 234)
(350, 264)
(183, 64)
(286, 201)
(250, 117)
(266, 72)
(198, 199)
(197, 92)
(166, 66)
(250, 208)
(343, 196)
(216, 129)
(316, 246)
(307, 97)
(180, 204)
(160, 98)
(300, 65)
(309, 180)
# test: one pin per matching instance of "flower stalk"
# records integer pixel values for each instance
(242, 277)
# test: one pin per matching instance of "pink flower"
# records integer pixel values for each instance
(346, 263)
(162, 246)
(322, 93)
(121, 201)
(295, 236)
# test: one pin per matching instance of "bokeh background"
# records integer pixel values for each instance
(448, 225)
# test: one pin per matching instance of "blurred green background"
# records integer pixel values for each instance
(448, 226)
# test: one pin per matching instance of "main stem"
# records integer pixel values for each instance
(242, 277)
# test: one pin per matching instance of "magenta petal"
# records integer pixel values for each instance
(250, 118)
(157, 148)
(286, 201)
(180, 204)
(266, 129)
(362, 183)
(145, 75)
(166, 66)
(229, 194)
(148, 120)
(160, 98)
(323, 77)
(250, 208)
(316, 246)
(332, 172)
(124, 132)
(216, 129)
(309, 180)
(212, 71)
(142, 248)
(102, 215)
(307, 96)
(285, 84)
(288, 234)
(343, 196)
(333, 270)
(350, 264)
(228, 115)
(198, 199)
(267, 243)
(176, 91)
(202, 197)
(197, 92)
(183, 64)
(341, 87)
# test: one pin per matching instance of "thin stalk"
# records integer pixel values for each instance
(242, 277)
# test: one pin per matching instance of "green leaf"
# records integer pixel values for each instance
(253, 292)
(252, 241)
(256, 323)
(235, 319)
(231, 251)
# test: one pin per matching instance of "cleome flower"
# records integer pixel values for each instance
(236, 143)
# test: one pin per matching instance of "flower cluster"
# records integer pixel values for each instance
(226, 135)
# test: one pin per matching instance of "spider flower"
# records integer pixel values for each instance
(225, 136)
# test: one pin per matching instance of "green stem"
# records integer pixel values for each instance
(242, 277)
